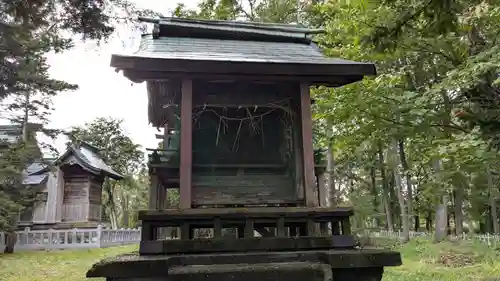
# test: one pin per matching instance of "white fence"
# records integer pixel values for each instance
(488, 239)
(53, 239)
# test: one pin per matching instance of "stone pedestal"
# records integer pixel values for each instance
(326, 265)
(305, 254)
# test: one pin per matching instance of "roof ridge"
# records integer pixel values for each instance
(277, 27)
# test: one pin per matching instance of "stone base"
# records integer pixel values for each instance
(326, 265)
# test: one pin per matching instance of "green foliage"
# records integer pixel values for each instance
(14, 196)
(28, 31)
(275, 11)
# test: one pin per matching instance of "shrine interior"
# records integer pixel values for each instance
(245, 148)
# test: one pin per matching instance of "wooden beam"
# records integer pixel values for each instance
(307, 146)
(140, 76)
(186, 144)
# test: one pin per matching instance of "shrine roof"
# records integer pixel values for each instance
(236, 51)
(228, 47)
(85, 155)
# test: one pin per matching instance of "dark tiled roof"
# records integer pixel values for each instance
(32, 175)
(87, 157)
(233, 50)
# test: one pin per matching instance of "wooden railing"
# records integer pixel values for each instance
(52, 239)
(310, 228)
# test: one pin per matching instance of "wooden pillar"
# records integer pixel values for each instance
(186, 144)
(162, 197)
(307, 146)
(153, 190)
(166, 136)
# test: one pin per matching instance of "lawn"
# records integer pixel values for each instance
(423, 261)
(64, 265)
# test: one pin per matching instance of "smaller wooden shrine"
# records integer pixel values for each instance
(234, 101)
(69, 189)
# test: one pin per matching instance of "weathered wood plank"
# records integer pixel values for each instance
(245, 191)
(245, 244)
(236, 213)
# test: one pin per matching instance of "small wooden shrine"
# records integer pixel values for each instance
(234, 104)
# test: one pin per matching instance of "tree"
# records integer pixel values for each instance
(275, 11)
(28, 31)
(123, 155)
(462, 34)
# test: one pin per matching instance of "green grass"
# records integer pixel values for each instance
(64, 265)
(422, 262)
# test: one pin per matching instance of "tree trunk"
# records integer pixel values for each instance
(26, 116)
(330, 180)
(399, 188)
(492, 201)
(409, 186)
(448, 224)
(416, 223)
(428, 222)
(441, 219)
(441, 214)
(459, 215)
(10, 242)
(385, 189)
(393, 199)
(376, 206)
(416, 219)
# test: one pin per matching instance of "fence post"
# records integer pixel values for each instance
(26, 237)
(73, 238)
(49, 234)
(99, 235)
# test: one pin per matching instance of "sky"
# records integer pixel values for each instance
(103, 92)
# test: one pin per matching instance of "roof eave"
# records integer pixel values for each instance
(333, 74)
